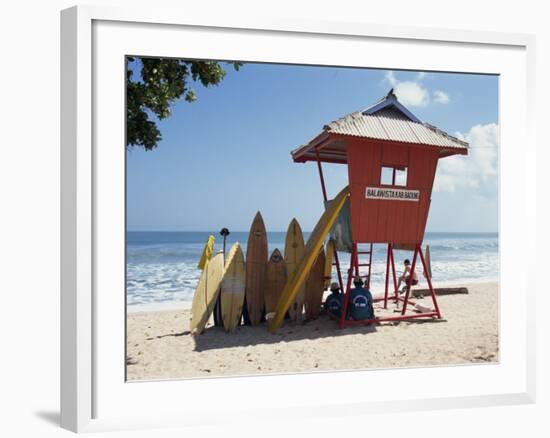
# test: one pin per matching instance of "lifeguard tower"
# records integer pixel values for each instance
(392, 158)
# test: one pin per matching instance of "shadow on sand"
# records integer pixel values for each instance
(176, 335)
(216, 337)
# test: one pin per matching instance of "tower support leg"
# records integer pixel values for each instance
(388, 267)
(325, 198)
(432, 292)
(371, 249)
(352, 264)
(356, 262)
(408, 290)
(395, 291)
(338, 270)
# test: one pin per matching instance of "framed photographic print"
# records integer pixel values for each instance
(267, 208)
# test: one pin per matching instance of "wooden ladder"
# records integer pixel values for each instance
(359, 265)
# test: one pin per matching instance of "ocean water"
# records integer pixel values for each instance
(162, 266)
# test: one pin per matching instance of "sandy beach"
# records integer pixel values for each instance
(160, 346)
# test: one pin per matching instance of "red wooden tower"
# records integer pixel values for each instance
(392, 159)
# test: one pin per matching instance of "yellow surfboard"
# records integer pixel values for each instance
(294, 252)
(313, 246)
(232, 289)
(329, 258)
(206, 294)
(206, 252)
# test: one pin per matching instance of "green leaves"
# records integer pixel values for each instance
(154, 84)
(191, 96)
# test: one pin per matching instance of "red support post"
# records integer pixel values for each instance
(325, 198)
(396, 292)
(356, 260)
(392, 319)
(370, 266)
(348, 286)
(387, 278)
(412, 303)
(390, 264)
(432, 292)
(413, 267)
(321, 175)
(338, 271)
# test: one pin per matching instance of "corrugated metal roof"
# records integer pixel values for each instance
(390, 112)
(381, 127)
(386, 120)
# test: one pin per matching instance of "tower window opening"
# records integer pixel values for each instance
(393, 176)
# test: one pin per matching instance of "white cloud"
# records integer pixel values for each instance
(477, 170)
(414, 93)
(390, 77)
(409, 93)
(441, 97)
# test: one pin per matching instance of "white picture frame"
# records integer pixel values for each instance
(92, 392)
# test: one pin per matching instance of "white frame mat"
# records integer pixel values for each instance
(94, 41)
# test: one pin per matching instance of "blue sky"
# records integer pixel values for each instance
(227, 155)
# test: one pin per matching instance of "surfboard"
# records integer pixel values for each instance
(294, 252)
(275, 280)
(428, 261)
(232, 288)
(315, 287)
(206, 293)
(256, 260)
(206, 252)
(312, 248)
(329, 258)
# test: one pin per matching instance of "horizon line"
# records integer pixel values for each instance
(276, 231)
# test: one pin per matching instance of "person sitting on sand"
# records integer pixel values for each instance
(408, 277)
(361, 303)
(333, 303)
